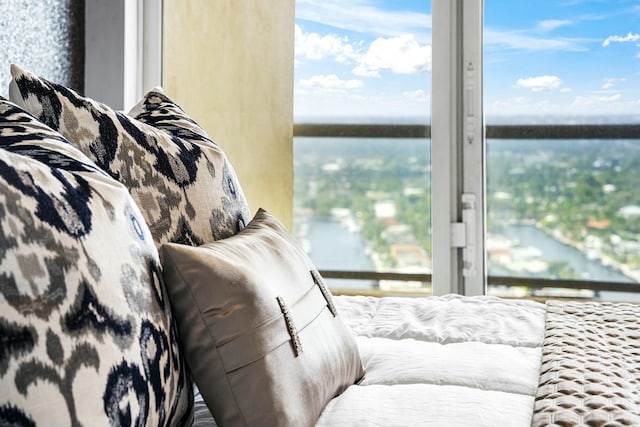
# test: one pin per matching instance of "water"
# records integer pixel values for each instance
(407, 162)
(552, 249)
(334, 247)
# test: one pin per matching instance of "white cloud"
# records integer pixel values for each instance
(582, 105)
(401, 55)
(530, 39)
(552, 24)
(416, 95)
(363, 16)
(609, 82)
(583, 101)
(540, 83)
(339, 104)
(621, 39)
(518, 105)
(498, 39)
(329, 82)
(315, 46)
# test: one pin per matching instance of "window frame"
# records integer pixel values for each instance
(131, 32)
(458, 147)
(600, 131)
(459, 167)
(139, 68)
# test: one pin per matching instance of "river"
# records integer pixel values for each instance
(552, 249)
(334, 247)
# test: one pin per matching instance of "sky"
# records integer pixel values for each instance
(364, 59)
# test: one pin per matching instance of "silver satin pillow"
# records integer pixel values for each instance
(261, 335)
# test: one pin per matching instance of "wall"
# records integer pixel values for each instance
(45, 37)
(229, 64)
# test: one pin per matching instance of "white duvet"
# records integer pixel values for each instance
(441, 361)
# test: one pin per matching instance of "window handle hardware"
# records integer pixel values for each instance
(463, 234)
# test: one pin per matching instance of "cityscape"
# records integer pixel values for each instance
(557, 209)
(577, 194)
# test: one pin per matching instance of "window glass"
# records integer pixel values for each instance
(362, 203)
(563, 208)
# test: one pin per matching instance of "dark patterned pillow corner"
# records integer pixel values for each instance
(86, 333)
(182, 181)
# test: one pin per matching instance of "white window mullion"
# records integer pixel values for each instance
(151, 45)
(444, 134)
(473, 151)
(457, 131)
(123, 50)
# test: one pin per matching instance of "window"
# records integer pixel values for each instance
(561, 194)
(131, 31)
(363, 201)
(562, 107)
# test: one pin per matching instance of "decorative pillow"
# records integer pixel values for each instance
(263, 339)
(87, 336)
(181, 180)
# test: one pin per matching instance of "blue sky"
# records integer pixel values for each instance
(368, 58)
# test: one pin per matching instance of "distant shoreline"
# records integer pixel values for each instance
(606, 261)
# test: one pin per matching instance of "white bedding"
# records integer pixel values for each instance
(441, 361)
(437, 361)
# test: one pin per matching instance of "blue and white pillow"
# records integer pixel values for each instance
(181, 180)
(87, 336)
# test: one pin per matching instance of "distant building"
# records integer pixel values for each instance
(629, 211)
(409, 255)
(595, 224)
(385, 209)
(398, 233)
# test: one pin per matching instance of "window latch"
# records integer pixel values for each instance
(463, 234)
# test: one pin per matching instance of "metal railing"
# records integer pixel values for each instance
(588, 131)
(533, 283)
(615, 131)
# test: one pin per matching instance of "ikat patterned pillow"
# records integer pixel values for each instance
(181, 180)
(87, 337)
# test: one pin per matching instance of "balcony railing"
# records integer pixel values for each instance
(579, 131)
(615, 131)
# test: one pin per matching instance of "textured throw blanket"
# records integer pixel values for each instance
(590, 371)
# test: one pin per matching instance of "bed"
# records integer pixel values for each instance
(486, 361)
(129, 265)
(439, 361)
